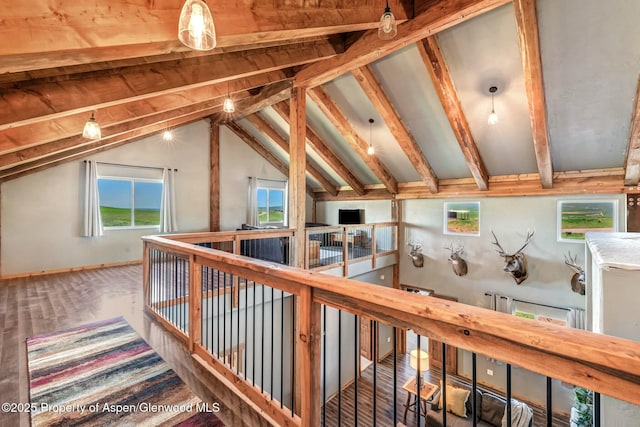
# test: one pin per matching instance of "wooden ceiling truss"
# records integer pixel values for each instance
(142, 81)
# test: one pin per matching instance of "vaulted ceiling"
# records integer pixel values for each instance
(566, 72)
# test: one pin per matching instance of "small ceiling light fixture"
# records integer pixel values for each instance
(167, 135)
(388, 27)
(370, 150)
(493, 117)
(228, 106)
(195, 27)
(92, 128)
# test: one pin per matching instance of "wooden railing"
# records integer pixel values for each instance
(604, 364)
(339, 246)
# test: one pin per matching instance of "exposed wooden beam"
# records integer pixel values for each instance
(598, 181)
(104, 144)
(38, 151)
(527, 27)
(268, 95)
(82, 33)
(265, 127)
(439, 16)
(323, 150)
(214, 177)
(608, 181)
(297, 200)
(262, 150)
(56, 153)
(632, 162)
(257, 146)
(179, 54)
(46, 100)
(443, 83)
(339, 120)
(45, 131)
(403, 137)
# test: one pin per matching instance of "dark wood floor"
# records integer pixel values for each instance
(32, 306)
(386, 413)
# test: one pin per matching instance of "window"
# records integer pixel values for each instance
(269, 204)
(128, 198)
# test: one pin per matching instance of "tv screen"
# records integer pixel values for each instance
(350, 216)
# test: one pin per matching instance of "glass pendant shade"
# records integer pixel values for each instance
(388, 28)
(195, 28)
(228, 106)
(167, 135)
(370, 150)
(92, 129)
(493, 118)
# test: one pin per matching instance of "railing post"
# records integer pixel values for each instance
(345, 252)
(146, 260)
(309, 340)
(373, 246)
(195, 303)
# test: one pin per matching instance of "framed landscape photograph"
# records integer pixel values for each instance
(462, 218)
(576, 217)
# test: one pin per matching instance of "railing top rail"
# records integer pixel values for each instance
(325, 228)
(606, 364)
(228, 236)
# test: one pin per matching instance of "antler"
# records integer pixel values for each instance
(571, 262)
(495, 242)
(529, 236)
(414, 245)
(450, 247)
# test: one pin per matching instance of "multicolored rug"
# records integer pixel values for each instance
(104, 373)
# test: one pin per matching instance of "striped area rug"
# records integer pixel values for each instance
(103, 374)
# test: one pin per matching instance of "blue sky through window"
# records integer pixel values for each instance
(115, 193)
(275, 198)
(262, 198)
(147, 195)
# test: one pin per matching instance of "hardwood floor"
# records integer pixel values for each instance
(32, 306)
(386, 413)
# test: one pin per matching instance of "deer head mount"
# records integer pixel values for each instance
(516, 263)
(578, 278)
(416, 254)
(458, 264)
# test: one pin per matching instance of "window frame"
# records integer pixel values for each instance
(276, 185)
(132, 181)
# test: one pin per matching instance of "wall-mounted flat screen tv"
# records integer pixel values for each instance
(350, 216)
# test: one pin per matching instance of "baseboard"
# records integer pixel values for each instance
(69, 270)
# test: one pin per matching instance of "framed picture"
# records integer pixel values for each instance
(576, 217)
(462, 218)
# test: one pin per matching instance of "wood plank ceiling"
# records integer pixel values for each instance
(427, 90)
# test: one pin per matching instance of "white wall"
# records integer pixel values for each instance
(509, 218)
(374, 210)
(42, 212)
(238, 162)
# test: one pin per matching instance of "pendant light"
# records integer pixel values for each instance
(493, 117)
(370, 150)
(167, 135)
(228, 106)
(388, 28)
(92, 128)
(195, 27)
